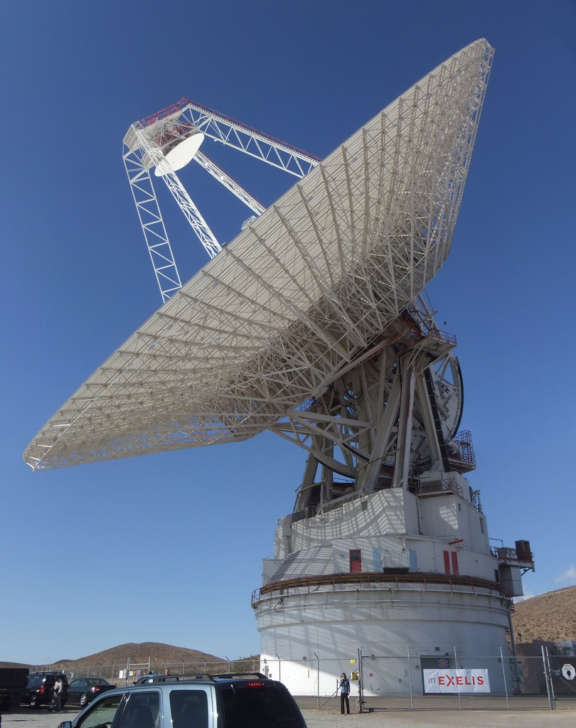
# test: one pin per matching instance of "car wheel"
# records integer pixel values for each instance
(83, 700)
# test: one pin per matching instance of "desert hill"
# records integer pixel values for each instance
(549, 617)
(141, 655)
(139, 652)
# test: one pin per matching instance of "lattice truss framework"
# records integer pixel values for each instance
(303, 292)
(145, 146)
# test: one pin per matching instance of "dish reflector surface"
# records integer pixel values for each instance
(180, 155)
(296, 296)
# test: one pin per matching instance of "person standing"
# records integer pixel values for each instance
(57, 694)
(344, 687)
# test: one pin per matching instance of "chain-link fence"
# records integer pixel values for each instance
(128, 671)
(423, 680)
(417, 679)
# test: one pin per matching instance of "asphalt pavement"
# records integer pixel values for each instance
(540, 718)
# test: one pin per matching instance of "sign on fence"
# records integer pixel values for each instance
(456, 681)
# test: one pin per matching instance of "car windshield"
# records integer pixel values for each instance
(259, 706)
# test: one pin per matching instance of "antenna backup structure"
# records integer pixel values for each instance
(312, 323)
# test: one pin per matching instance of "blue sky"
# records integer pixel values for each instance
(168, 547)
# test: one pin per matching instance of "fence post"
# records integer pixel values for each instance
(360, 681)
(548, 677)
(504, 677)
(410, 680)
(458, 696)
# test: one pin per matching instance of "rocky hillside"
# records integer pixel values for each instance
(138, 652)
(159, 656)
(549, 617)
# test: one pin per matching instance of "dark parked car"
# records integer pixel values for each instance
(84, 689)
(13, 682)
(40, 688)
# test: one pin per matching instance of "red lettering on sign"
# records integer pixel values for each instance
(452, 681)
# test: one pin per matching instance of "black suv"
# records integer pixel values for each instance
(231, 700)
(40, 688)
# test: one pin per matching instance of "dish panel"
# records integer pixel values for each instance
(297, 295)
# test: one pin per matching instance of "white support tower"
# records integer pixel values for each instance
(387, 549)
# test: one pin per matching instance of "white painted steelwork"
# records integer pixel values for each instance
(230, 184)
(149, 152)
(303, 292)
(171, 139)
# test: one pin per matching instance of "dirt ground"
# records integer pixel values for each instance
(537, 718)
(442, 719)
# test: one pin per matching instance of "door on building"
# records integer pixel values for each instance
(355, 561)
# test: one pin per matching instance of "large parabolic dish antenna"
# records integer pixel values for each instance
(303, 292)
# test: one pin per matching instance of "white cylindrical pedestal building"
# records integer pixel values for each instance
(392, 582)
